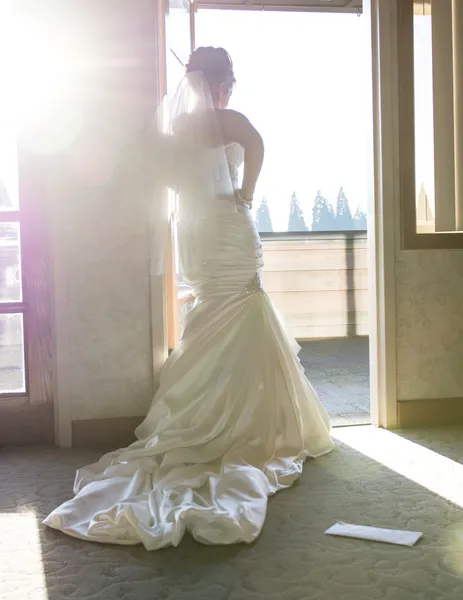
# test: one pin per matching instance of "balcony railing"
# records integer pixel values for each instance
(318, 281)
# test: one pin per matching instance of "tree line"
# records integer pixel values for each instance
(324, 217)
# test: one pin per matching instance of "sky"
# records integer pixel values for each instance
(424, 119)
(303, 80)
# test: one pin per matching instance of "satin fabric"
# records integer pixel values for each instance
(232, 422)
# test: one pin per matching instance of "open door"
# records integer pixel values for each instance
(179, 44)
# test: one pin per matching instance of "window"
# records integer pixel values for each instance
(431, 122)
(424, 125)
(178, 43)
(306, 94)
(12, 307)
(26, 362)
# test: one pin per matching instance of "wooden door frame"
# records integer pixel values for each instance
(171, 284)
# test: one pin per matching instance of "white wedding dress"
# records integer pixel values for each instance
(232, 422)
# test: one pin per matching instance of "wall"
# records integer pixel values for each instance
(103, 303)
(428, 286)
(103, 287)
(319, 283)
(100, 213)
(428, 283)
(429, 317)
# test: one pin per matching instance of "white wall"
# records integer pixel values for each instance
(103, 302)
(428, 283)
(104, 330)
(429, 324)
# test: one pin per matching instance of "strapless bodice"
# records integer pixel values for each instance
(235, 261)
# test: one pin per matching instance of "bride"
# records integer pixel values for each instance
(234, 417)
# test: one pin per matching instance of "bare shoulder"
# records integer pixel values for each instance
(228, 115)
(236, 127)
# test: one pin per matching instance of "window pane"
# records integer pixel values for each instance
(8, 168)
(178, 43)
(302, 79)
(8, 142)
(10, 263)
(12, 372)
(424, 123)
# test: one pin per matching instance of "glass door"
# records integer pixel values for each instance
(179, 45)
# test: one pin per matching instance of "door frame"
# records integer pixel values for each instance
(383, 198)
(384, 193)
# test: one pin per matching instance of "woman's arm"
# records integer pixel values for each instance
(237, 128)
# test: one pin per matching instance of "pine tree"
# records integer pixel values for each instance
(360, 220)
(344, 221)
(323, 217)
(263, 219)
(296, 216)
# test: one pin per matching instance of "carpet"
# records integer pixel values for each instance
(374, 477)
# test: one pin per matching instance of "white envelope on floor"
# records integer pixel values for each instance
(363, 532)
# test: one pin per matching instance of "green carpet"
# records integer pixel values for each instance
(292, 560)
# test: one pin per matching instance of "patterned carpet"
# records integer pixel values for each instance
(374, 477)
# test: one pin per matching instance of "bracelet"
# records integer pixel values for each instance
(242, 199)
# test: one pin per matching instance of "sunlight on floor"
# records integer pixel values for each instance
(427, 468)
(431, 470)
(21, 558)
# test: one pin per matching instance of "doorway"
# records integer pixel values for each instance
(311, 207)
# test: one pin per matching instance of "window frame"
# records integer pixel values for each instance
(171, 293)
(18, 307)
(410, 238)
(28, 417)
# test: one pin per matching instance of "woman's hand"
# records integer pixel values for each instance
(240, 199)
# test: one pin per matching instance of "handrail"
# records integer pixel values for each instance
(320, 235)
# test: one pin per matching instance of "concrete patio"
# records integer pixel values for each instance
(339, 371)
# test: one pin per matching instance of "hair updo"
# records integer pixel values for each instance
(215, 64)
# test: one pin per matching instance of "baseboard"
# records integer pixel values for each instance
(104, 433)
(430, 412)
(119, 432)
(27, 425)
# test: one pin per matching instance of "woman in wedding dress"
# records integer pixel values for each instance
(234, 417)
